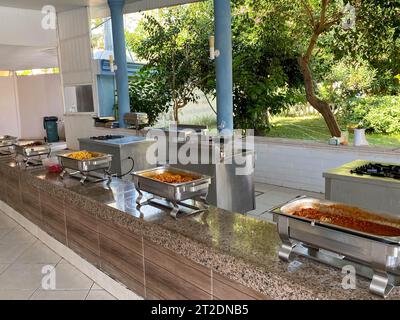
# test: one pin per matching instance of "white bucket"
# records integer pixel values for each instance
(359, 138)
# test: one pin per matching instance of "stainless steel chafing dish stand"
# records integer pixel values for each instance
(7, 145)
(27, 155)
(373, 257)
(93, 170)
(172, 195)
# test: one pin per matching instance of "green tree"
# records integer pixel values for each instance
(174, 43)
(281, 50)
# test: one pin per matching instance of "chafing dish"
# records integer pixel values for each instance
(7, 145)
(7, 141)
(25, 149)
(30, 153)
(85, 169)
(373, 256)
(175, 193)
(136, 119)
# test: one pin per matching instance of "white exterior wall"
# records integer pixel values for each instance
(39, 96)
(9, 122)
(296, 164)
(24, 104)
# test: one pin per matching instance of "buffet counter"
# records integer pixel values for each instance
(211, 255)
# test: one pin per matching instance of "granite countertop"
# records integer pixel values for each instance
(239, 247)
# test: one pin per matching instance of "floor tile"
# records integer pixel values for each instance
(99, 295)
(17, 235)
(9, 252)
(96, 287)
(266, 217)
(3, 266)
(6, 221)
(15, 294)
(4, 231)
(22, 276)
(264, 186)
(60, 295)
(39, 253)
(256, 211)
(70, 278)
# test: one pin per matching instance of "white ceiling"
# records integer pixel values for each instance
(24, 45)
(61, 5)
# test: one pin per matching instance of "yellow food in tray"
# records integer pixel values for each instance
(169, 177)
(83, 155)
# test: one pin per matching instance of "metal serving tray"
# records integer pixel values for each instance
(101, 161)
(7, 141)
(379, 253)
(22, 149)
(173, 192)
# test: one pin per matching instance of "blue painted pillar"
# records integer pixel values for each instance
(117, 21)
(223, 43)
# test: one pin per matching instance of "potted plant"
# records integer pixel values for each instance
(359, 135)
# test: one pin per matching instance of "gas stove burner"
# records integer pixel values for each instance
(106, 137)
(378, 170)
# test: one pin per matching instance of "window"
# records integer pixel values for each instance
(35, 72)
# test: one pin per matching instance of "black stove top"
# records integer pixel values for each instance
(378, 170)
(107, 137)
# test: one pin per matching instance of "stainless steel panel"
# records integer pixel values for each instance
(228, 190)
(121, 149)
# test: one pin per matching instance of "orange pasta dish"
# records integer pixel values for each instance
(169, 177)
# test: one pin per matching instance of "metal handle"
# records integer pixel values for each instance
(196, 188)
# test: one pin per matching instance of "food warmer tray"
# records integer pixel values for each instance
(26, 151)
(85, 169)
(173, 193)
(373, 256)
(7, 145)
(7, 141)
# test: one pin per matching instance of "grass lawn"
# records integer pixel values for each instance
(314, 128)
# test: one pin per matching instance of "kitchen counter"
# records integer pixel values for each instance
(343, 173)
(212, 255)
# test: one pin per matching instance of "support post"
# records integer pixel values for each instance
(118, 32)
(223, 43)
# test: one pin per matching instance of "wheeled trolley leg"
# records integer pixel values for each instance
(139, 198)
(285, 251)
(175, 210)
(63, 173)
(380, 284)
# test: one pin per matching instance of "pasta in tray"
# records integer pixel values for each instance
(169, 177)
(351, 218)
(83, 155)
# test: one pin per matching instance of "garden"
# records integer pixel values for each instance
(302, 69)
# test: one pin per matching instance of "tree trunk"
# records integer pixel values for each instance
(176, 112)
(320, 105)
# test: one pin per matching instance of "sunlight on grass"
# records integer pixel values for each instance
(314, 128)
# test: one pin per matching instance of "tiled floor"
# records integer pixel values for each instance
(269, 196)
(23, 257)
(25, 262)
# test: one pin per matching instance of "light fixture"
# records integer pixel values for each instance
(113, 66)
(213, 52)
